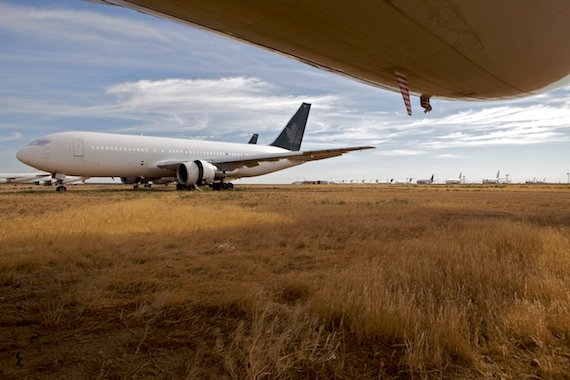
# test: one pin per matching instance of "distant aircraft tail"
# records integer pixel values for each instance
(292, 135)
(499, 172)
(253, 139)
(431, 179)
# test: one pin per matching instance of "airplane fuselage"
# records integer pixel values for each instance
(92, 154)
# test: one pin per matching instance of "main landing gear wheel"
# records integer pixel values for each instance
(145, 185)
(61, 189)
(222, 186)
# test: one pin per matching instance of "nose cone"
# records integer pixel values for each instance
(22, 156)
(29, 156)
(36, 154)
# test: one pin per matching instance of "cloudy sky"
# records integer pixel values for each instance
(74, 65)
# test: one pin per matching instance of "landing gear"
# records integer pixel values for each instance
(216, 186)
(60, 188)
(146, 185)
(222, 186)
(182, 187)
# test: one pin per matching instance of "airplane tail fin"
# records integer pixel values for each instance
(499, 172)
(292, 135)
(431, 179)
(253, 139)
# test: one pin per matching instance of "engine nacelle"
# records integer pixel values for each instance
(198, 173)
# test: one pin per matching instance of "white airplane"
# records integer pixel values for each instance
(398, 182)
(488, 181)
(454, 181)
(425, 181)
(454, 49)
(191, 163)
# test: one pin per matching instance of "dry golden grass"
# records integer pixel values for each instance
(286, 282)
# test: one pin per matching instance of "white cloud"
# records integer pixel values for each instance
(182, 106)
(448, 155)
(400, 152)
(173, 94)
(11, 137)
(500, 125)
(219, 105)
(79, 26)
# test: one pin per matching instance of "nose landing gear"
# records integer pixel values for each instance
(60, 188)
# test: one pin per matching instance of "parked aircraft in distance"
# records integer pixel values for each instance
(398, 182)
(535, 181)
(454, 181)
(492, 180)
(425, 181)
(452, 49)
(191, 163)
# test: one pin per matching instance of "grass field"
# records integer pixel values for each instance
(330, 281)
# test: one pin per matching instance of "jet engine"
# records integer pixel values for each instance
(198, 172)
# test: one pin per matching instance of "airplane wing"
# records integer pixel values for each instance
(300, 156)
(23, 178)
(257, 159)
(74, 180)
(455, 49)
(38, 178)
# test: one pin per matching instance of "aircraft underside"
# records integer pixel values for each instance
(447, 48)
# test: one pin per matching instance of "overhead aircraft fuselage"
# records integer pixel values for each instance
(457, 49)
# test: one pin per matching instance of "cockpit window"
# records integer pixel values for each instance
(40, 143)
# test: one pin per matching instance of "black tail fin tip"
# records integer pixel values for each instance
(292, 135)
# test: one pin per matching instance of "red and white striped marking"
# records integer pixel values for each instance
(404, 90)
